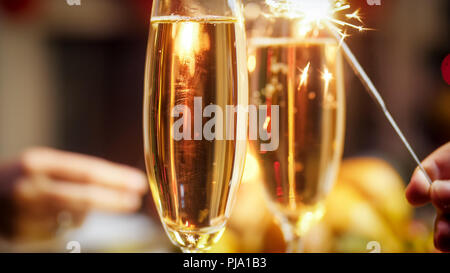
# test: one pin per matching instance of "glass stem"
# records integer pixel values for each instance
(294, 245)
(191, 250)
(292, 238)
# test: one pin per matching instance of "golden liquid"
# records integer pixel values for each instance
(193, 182)
(299, 174)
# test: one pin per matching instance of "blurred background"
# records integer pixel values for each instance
(71, 77)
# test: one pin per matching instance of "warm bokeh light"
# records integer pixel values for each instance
(251, 63)
(189, 43)
(251, 169)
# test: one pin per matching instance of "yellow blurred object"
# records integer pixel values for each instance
(229, 243)
(349, 213)
(367, 205)
(378, 182)
(250, 216)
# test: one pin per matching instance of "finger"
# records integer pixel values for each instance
(442, 233)
(87, 197)
(82, 168)
(440, 195)
(418, 190)
(437, 166)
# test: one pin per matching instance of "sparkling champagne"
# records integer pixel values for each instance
(193, 180)
(305, 78)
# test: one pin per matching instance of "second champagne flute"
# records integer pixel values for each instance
(298, 69)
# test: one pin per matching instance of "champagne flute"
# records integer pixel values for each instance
(302, 73)
(195, 70)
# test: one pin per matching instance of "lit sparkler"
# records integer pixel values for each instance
(327, 77)
(316, 14)
(304, 76)
(322, 14)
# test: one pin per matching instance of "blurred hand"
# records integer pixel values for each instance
(420, 192)
(45, 188)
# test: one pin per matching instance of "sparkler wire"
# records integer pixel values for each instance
(375, 95)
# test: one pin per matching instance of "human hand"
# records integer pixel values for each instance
(43, 183)
(420, 192)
